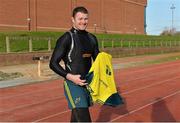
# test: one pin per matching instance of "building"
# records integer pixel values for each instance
(108, 16)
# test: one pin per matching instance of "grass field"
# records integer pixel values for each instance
(19, 40)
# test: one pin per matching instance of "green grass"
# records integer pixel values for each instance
(151, 62)
(7, 76)
(40, 40)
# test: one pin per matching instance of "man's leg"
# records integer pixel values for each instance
(80, 115)
(73, 117)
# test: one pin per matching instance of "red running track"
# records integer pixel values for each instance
(151, 93)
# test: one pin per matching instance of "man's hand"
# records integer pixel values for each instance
(76, 79)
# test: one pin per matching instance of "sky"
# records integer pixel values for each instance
(159, 16)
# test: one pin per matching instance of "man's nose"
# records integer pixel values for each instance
(84, 21)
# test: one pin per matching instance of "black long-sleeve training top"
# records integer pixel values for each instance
(77, 58)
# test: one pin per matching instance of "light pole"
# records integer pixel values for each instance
(29, 24)
(135, 30)
(95, 25)
(28, 15)
(172, 8)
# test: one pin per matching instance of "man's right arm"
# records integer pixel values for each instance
(59, 52)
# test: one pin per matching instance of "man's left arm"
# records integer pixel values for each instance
(96, 48)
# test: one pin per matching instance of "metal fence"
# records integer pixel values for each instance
(137, 43)
(29, 44)
(33, 44)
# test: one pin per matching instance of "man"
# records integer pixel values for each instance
(76, 48)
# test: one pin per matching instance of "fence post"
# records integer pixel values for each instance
(39, 68)
(112, 43)
(102, 44)
(121, 43)
(143, 43)
(7, 44)
(129, 44)
(49, 44)
(30, 45)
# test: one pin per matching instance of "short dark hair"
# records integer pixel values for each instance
(79, 9)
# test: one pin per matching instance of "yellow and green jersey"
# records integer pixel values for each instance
(102, 86)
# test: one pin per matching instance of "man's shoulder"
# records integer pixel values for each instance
(65, 36)
(92, 37)
(64, 39)
(90, 34)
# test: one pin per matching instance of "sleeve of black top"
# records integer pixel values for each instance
(96, 48)
(59, 52)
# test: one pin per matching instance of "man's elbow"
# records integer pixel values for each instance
(51, 65)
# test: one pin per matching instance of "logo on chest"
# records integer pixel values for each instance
(86, 55)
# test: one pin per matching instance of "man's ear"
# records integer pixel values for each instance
(72, 19)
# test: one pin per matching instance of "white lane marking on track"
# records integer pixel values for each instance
(151, 68)
(142, 107)
(6, 97)
(144, 77)
(61, 87)
(149, 85)
(59, 97)
(23, 106)
(50, 116)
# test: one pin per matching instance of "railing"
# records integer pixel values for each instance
(33, 44)
(28, 44)
(136, 44)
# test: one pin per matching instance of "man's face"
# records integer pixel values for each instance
(80, 21)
